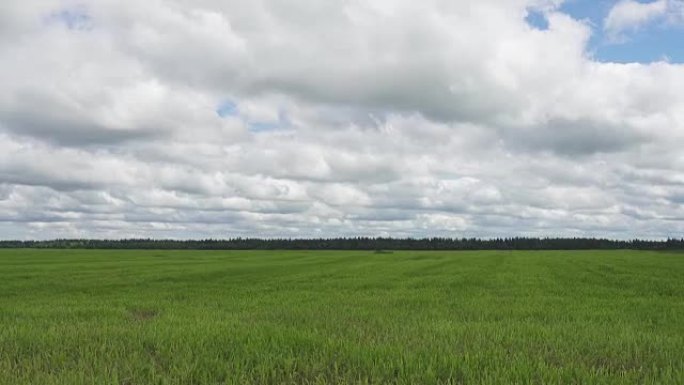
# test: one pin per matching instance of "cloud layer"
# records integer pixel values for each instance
(297, 119)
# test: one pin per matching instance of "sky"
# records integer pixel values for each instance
(296, 118)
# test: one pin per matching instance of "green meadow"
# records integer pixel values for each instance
(341, 317)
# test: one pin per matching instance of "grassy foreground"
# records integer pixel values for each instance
(212, 317)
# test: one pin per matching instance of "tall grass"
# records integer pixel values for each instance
(300, 317)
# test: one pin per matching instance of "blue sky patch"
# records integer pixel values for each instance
(593, 11)
(74, 18)
(282, 123)
(537, 20)
(657, 41)
(227, 108)
(263, 126)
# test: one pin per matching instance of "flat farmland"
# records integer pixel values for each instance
(341, 317)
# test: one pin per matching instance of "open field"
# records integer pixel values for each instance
(313, 317)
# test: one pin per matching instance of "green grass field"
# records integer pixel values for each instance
(316, 317)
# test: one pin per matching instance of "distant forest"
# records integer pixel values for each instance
(360, 243)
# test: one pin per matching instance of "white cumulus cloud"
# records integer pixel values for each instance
(629, 15)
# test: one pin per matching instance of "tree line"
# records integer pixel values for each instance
(356, 243)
